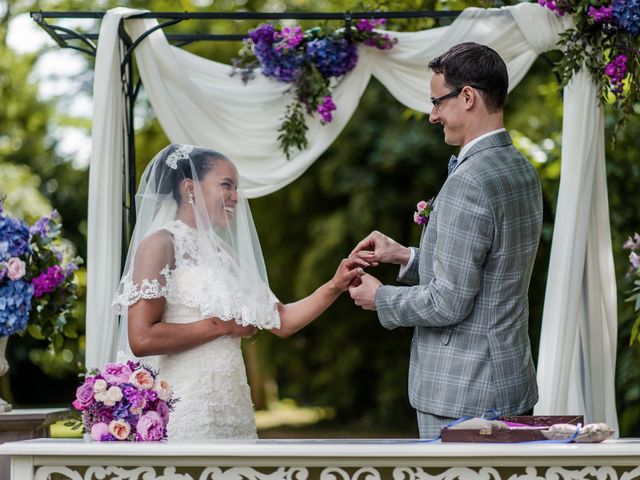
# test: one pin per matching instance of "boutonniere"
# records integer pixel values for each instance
(421, 216)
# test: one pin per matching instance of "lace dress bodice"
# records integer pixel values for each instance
(210, 380)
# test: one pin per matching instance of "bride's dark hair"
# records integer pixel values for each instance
(169, 178)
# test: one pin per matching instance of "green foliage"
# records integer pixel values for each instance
(35, 179)
(293, 131)
(596, 43)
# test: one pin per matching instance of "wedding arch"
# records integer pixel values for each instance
(196, 102)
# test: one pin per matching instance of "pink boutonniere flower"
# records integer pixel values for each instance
(424, 208)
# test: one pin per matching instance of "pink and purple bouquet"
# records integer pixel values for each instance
(37, 288)
(125, 401)
(423, 210)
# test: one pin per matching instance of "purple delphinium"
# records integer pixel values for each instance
(381, 42)
(48, 281)
(365, 25)
(552, 5)
(616, 71)
(600, 14)
(325, 108)
(627, 15)
(333, 58)
(265, 33)
(290, 38)
(634, 258)
(135, 397)
(283, 65)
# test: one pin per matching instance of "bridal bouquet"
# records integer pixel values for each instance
(36, 280)
(124, 401)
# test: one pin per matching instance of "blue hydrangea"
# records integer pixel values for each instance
(283, 65)
(15, 306)
(627, 15)
(333, 58)
(16, 235)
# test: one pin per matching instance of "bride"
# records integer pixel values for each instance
(194, 284)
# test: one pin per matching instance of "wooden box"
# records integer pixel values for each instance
(520, 434)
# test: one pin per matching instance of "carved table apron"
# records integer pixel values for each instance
(45, 459)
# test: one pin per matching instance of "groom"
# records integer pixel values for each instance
(470, 277)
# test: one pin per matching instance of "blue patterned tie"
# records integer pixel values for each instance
(453, 161)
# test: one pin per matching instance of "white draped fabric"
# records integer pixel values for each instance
(197, 102)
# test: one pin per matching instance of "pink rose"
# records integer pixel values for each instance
(421, 205)
(15, 268)
(116, 373)
(100, 432)
(84, 395)
(119, 429)
(163, 410)
(150, 427)
(141, 378)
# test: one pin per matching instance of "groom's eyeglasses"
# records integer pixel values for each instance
(454, 93)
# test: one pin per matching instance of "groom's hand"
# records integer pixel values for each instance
(378, 248)
(364, 295)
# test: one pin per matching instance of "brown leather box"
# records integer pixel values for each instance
(512, 435)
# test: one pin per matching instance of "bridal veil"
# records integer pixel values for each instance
(217, 268)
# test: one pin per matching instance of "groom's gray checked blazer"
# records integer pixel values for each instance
(469, 300)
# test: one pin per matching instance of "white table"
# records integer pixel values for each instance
(321, 460)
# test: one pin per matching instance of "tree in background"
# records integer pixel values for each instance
(34, 180)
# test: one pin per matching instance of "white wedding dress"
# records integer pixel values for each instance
(210, 380)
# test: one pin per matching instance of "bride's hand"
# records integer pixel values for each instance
(349, 271)
(232, 329)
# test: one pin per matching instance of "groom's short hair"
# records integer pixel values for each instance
(477, 66)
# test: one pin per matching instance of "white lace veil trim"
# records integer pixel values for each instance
(215, 267)
(201, 287)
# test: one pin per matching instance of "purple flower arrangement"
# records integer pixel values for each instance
(311, 61)
(124, 402)
(606, 40)
(37, 291)
(423, 210)
(633, 245)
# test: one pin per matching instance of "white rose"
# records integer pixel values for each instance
(164, 390)
(113, 395)
(99, 386)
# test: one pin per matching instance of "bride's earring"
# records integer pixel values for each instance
(190, 198)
